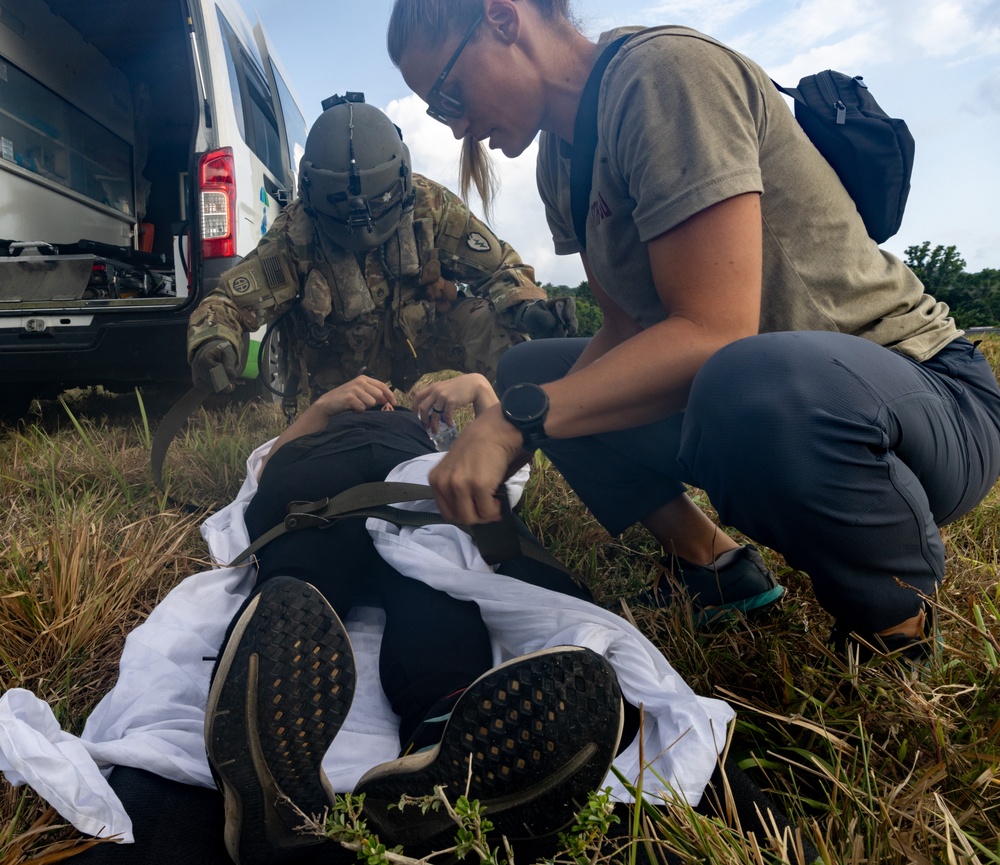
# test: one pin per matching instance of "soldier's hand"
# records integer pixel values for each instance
(215, 366)
(541, 319)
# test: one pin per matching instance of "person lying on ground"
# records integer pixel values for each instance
(383, 661)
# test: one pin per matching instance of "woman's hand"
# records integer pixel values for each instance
(437, 403)
(466, 480)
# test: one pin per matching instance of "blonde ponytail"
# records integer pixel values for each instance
(477, 170)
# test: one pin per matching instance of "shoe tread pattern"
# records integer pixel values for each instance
(541, 731)
(305, 686)
(282, 698)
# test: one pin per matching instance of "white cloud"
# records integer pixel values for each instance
(988, 93)
(433, 148)
(958, 28)
(712, 17)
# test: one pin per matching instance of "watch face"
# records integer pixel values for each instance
(525, 402)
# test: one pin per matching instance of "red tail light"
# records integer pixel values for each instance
(217, 202)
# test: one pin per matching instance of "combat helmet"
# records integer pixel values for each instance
(355, 177)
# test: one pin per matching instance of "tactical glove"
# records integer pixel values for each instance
(541, 319)
(214, 366)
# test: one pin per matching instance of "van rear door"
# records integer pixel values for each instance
(293, 124)
(247, 126)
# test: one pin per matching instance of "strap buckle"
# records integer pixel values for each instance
(305, 515)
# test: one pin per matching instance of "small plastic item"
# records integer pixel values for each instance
(445, 437)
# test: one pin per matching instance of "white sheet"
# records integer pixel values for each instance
(153, 718)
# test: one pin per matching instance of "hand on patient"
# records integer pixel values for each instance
(437, 403)
(357, 395)
(466, 481)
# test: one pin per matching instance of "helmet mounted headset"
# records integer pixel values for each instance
(355, 177)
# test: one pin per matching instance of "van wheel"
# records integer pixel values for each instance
(274, 368)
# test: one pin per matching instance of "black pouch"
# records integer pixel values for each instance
(871, 152)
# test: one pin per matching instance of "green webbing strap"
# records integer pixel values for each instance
(497, 542)
(175, 419)
(363, 500)
(167, 431)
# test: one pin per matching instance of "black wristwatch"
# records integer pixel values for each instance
(526, 406)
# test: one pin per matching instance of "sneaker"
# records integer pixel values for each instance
(737, 583)
(540, 731)
(429, 731)
(280, 695)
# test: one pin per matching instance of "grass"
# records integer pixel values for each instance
(871, 765)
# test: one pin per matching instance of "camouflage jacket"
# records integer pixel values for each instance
(345, 313)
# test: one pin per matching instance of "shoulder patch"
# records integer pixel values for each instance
(477, 242)
(274, 272)
(242, 284)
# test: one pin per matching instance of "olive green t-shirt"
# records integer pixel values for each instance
(684, 123)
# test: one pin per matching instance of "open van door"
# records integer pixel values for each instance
(145, 148)
(293, 125)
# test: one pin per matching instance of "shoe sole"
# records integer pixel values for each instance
(540, 732)
(744, 607)
(280, 695)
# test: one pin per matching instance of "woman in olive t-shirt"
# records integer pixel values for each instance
(756, 342)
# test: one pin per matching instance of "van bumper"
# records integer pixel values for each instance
(118, 353)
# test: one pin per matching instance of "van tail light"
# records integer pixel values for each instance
(217, 193)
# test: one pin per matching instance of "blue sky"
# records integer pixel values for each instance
(935, 63)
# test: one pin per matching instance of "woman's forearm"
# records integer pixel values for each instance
(643, 379)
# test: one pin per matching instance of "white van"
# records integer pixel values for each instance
(144, 148)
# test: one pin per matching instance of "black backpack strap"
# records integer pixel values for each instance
(794, 92)
(497, 542)
(581, 175)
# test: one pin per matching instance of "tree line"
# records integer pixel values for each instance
(974, 298)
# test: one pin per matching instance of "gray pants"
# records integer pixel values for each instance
(841, 455)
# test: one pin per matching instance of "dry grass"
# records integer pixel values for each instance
(873, 766)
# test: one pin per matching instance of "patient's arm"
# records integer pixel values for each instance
(357, 395)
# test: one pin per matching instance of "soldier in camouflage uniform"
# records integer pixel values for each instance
(382, 271)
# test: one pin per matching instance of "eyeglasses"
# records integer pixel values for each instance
(439, 106)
